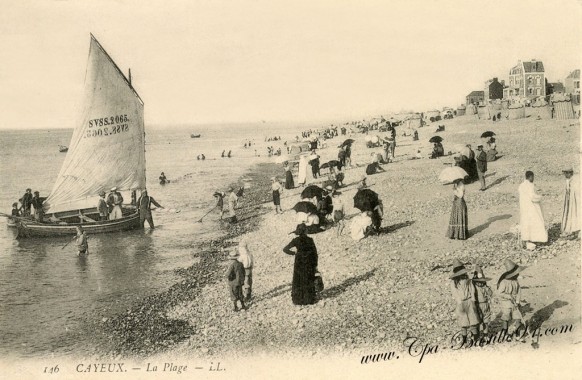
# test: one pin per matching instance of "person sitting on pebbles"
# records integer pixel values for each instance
(361, 226)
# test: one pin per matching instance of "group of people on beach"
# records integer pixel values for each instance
(473, 298)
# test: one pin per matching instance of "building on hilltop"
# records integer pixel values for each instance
(572, 85)
(527, 80)
(475, 97)
(493, 89)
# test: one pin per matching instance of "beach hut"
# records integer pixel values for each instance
(412, 122)
(471, 109)
(563, 108)
(461, 110)
(539, 109)
(516, 111)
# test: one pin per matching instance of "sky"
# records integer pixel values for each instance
(213, 61)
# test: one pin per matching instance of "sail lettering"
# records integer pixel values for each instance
(110, 120)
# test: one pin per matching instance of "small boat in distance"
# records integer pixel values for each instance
(63, 148)
(193, 136)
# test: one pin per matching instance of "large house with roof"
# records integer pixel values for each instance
(475, 97)
(526, 80)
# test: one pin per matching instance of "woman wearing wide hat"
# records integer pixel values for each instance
(510, 294)
(305, 267)
(463, 292)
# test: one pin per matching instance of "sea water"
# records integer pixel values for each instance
(47, 293)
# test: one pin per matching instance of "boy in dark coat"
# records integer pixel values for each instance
(235, 274)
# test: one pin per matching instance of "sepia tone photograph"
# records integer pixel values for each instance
(290, 190)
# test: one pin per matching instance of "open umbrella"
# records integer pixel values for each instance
(330, 164)
(312, 191)
(306, 207)
(348, 142)
(450, 174)
(366, 200)
(487, 134)
(435, 139)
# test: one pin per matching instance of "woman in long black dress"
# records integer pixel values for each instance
(289, 183)
(458, 223)
(303, 286)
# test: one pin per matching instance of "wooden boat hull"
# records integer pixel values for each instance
(31, 228)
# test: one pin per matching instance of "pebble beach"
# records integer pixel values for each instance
(385, 288)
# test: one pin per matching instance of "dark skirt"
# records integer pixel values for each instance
(276, 198)
(458, 224)
(303, 285)
(289, 184)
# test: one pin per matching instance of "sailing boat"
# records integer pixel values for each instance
(107, 150)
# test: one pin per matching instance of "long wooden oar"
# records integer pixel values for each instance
(200, 220)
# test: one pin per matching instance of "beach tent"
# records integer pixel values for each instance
(483, 112)
(495, 106)
(412, 122)
(471, 109)
(563, 108)
(540, 108)
(516, 111)
(461, 110)
(432, 113)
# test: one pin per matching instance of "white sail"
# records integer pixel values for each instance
(108, 144)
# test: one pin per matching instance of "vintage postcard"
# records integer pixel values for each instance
(290, 189)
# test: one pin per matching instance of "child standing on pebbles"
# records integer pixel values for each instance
(510, 295)
(483, 294)
(464, 294)
(246, 259)
(235, 275)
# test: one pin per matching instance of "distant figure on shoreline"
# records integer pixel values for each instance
(163, 179)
